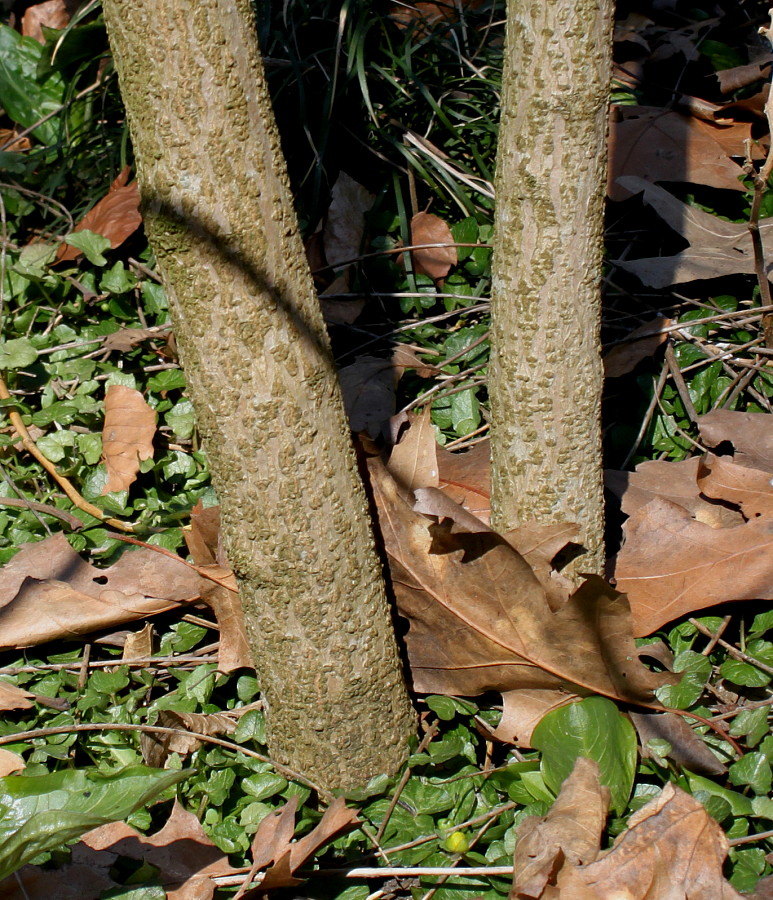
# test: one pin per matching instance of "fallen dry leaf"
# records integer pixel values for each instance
(539, 544)
(50, 593)
(10, 762)
(183, 854)
(466, 478)
(368, 386)
(463, 475)
(433, 502)
(125, 339)
(633, 28)
(413, 462)
(343, 310)
(749, 489)
(480, 620)
(12, 697)
(672, 849)
(185, 857)
(233, 648)
(139, 644)
(433, 261)
(116, 216)
(699, 531)
(273, 847)
(202, 535)
(13, 144)
(737, 77)
(127, 436)
(523, 710)
(407, 358)
(50, 14)
(425, 15)
(675, 481)
(569, 835)
(640, 344)
(750, 434)
(345, 222)
(157, 747)
(661, 145)
(672, 565)
(75, 881)
(688, 749)
(716, 247)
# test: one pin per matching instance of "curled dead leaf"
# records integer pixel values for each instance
(157, 747)
(127, 436)
(672, 565)
(116, 216)
(49, 593)
(640, 344)
(672, 849)
(433, 261)
(480, 619)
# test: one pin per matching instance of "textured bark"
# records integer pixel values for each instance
(219, 215)
(546, 375)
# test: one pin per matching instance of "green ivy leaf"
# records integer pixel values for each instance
(465, 232)
(753, 723)
(91, 244)
(443, 707)
(762, 622)
(16, 353)
(90, 445)
(749, 864)
(754, 770)
(593, 728)
(743, 673)
(34, 259)
(264, 785)
(739, 805)
(697, 669)
(56, 444)
(181, 419)
(465, 412)
(168, 380)
(117, 280)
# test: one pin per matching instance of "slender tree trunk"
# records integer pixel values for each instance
(219, 215)
(546, 373)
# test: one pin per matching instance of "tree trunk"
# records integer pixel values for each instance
(219, 216)
(546, 374)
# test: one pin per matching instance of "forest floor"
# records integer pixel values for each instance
(133, 739)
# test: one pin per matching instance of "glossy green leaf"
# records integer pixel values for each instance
(743, 673)
(25, 98)
(739, 805)
(696, 669)
(465, 412)
(117, 279)
(42, 812)
(753, 723)
(443, 707)
(593, 728)
(264, 785)
(748, 865)
(466, 232)
(754, 770)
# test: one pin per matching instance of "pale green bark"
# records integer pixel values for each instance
(219, 214)
(546, 373)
